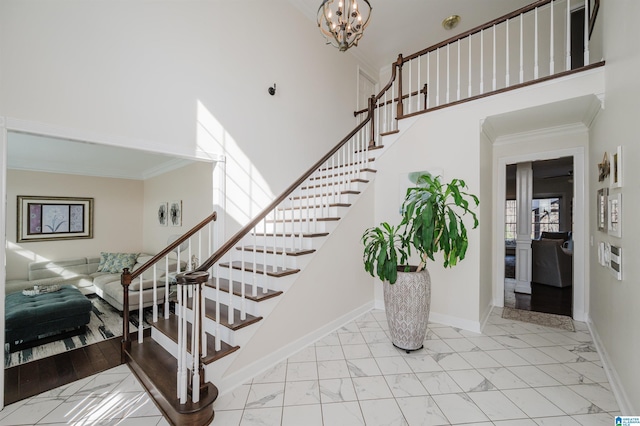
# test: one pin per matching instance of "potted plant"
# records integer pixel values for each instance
(432, 222)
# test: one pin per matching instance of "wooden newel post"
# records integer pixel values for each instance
(196, 279)
(400, 111)
(125, 280)
(372, 135)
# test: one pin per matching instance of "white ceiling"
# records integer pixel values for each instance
(408, 26)
(46, 154)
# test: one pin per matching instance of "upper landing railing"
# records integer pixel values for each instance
(526, 46)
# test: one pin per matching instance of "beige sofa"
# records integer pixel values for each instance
(82, 272)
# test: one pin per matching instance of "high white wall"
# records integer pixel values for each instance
(117, 217)
(193, 185)
(614, 303)
(450, 140)
(140, 73)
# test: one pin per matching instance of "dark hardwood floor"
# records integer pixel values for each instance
(543, 298)
(35, 377)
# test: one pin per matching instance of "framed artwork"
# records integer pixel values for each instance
(601, 204)
(54, 218)
(616, 168)
(175, 213)
(614, 223)
(594, 5)
(615, 261)
(163, 213)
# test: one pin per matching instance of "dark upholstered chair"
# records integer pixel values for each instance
(552, 264)
(563, 235)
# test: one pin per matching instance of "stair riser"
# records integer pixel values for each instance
(314, 211)
(290, 262)
(272, 283)
(289, 242)
(252, 308)
(351, 173)
(312, 226)
(321, 188)
(337, 199)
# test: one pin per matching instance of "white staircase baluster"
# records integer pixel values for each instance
(230, 313)
(506, 77)
(254, 283)
(481, 61)
(155, 294)
(167, 283)
(521, 48)
(535, 45)
(494, 83)
(180, 313)
(448, 73)
(409, 98)
(428, 80)
(140, 310)
(568, 36)
(218, 341)
(459, 43)
(552, 63)
(469, 87)
(264, 256)
(586, 33)
(419, 86)
(438, 77)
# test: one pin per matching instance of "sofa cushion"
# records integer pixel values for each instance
(116, 262)
(64, 268)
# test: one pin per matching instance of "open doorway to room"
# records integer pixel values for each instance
(551, 238)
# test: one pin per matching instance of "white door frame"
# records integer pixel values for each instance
(580, 221)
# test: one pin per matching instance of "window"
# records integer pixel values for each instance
(545, 216)
(510, 221)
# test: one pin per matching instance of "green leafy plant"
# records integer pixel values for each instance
(432, 221)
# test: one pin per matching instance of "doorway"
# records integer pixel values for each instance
(551, 238)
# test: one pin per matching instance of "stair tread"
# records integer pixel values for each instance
(150, 362)
(238, 323)
(346, 192)
(318, 219)
(391, 132)
(314, 206)
(288, 234)
(365, 169)
(278, 250)
(324, 184)
(339, 166)
(248, 290)
(259, 269)
(210, 311)
(169, 327)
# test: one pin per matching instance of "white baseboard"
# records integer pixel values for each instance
(461, 323)
(624, 403)
(485, 316)
(232, 381)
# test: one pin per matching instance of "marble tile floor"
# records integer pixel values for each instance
(514, 373)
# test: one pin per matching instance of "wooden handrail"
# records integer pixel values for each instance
(479, 28)
(248, 227)
(390, 101)
(173, 245)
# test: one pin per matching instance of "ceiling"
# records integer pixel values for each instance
(47, 154)
(408, 26)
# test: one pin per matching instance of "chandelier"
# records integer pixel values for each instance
(342, 22)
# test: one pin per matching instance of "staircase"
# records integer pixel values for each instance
(221, 301)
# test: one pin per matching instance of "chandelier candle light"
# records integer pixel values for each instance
(343, 22)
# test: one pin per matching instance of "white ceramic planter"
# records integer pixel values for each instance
(407, 304)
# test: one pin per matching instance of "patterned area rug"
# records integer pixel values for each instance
(106, 322)
(539, 318)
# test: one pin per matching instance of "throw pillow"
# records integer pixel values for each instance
(114, 263)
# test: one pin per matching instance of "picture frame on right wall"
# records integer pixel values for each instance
(615, 161)
(614, 221)
(601, 205)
